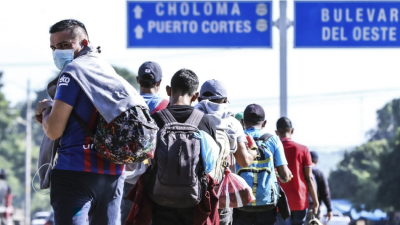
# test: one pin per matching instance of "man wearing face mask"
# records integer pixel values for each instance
(84, 184)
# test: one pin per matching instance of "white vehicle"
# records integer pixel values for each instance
(40, 218)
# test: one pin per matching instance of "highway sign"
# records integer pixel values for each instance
(347, 24)
(199, 24)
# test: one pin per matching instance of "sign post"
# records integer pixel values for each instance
(283, 57)
(347, 24)
(205, 24)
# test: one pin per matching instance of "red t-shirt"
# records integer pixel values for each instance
(298, 156)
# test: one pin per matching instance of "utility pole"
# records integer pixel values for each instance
(28, 154)
(283, 57)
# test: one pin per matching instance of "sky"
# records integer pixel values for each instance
(333, 94)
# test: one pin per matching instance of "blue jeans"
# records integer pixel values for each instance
(296, 218)
(126, 204)
(78, 197)
(254, 218)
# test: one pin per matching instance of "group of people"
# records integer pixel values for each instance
(86, 186)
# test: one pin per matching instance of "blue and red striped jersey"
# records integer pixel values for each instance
(155, 102)
(76, 151)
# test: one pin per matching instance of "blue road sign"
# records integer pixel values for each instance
(347, 24)
(199, 24)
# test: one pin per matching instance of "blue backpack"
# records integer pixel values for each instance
(260, 175)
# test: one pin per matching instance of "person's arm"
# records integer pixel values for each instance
(208, 126)
(285, 175)
(54, 115)
(280, 162)
(323, 189)
(55, 119)
(311, 188)
(243, 155)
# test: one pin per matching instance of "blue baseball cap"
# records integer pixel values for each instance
(213, 89)
(150, 71)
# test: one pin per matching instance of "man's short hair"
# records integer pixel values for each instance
(186, 81)
(252, 123)
(147, 83)
(284, 125)
(76, 27)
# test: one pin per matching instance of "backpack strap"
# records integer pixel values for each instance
(264, 137)
(195, 117)
(166, 116)
(82, 123)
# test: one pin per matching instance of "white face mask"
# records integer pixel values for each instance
(63, 57)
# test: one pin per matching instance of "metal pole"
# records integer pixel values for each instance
(28, 154)
(283, 58)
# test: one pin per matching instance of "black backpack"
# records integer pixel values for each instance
(177, 178)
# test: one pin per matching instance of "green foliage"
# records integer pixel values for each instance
(389, 189)
(128, 76)
(357, 175)
(370, 175)
(12, 151)
(388, 121)
(12, 148)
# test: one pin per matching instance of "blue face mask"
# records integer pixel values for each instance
(63, 57)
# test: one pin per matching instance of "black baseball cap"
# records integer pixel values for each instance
(150, 71)
(283, 123)
(254, 113)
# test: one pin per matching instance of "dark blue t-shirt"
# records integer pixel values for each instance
(76, 151)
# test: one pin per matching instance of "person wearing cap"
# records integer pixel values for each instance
(149, 80)
(299, 159)
(323, 191)
(261, 174)
(239, 116)
(213, 101)
(6, 208)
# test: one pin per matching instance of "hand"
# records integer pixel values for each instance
(287, 180)
(39, 118)
(252, 152)
(42, 105)
(329, 216)
(315, 208)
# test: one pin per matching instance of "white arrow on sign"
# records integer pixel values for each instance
(138, 12)
(139, 32)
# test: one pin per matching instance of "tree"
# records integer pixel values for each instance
(12, 148)
(357, 175)
(388, 121)
(389, 188)
(369, 175)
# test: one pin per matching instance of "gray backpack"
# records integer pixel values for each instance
(177, 178)
(224, 156)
